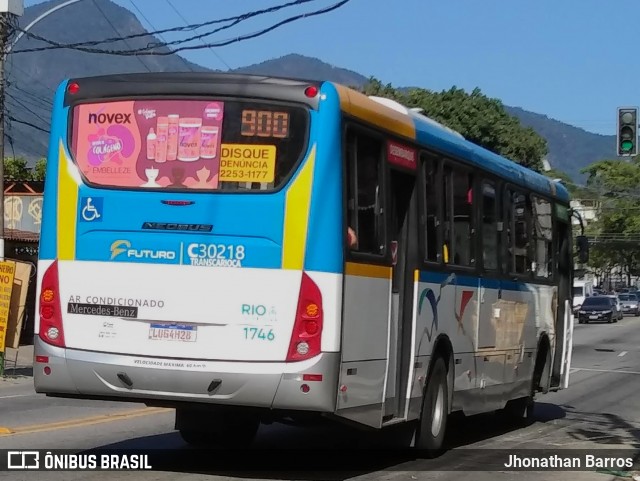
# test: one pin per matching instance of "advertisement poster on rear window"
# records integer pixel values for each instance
(154, 144)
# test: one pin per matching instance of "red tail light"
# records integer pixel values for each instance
(50, 308)
(307, 329)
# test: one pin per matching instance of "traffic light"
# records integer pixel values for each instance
(627, 131)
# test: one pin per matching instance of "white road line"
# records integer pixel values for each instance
(612, 371)
(15, 395)
(623, 353)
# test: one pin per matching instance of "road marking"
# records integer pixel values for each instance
(15, 395)
(613, 371)
(623, 353)
(79, 422)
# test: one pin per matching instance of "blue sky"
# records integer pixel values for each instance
(571, 60)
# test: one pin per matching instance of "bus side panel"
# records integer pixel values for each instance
(438, 303)
(493, 329)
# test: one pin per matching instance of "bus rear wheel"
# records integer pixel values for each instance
(435, 409)
(205, 429)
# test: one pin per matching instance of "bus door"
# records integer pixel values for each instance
(403, 228)
(374, 339)
(367, 282)
(563, 305)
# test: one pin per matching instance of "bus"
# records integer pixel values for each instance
(249, 249)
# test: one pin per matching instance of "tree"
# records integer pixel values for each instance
(39, 169)
(617, 185)
(17, 168)
(479, 119)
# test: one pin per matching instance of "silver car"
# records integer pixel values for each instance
(630, 304)
(618, 305)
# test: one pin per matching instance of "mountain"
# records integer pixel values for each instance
(295, 65)
(570, 148)
(32, 78)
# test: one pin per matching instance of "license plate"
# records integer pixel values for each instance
(173, 332)
(593, 317)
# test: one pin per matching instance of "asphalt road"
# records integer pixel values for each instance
(600, 410)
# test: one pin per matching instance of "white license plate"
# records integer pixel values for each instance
(593, 317)
(173, 332)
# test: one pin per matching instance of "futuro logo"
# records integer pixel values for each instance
(118, 247)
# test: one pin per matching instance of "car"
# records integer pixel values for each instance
(598, 308)
(618, 305)
(630, 304)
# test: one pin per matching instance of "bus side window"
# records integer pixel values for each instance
(458, 226)
(490, 234)
(447, 241)
(542, 237)
(518, 234)
(430, 171)
(365, 195)
(463, 225)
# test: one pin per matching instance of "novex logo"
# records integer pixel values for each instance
(109, 118)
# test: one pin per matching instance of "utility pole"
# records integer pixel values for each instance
(9, 10)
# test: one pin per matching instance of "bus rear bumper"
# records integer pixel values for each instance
(273, 385)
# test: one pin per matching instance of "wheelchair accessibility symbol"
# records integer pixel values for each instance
(91, 209)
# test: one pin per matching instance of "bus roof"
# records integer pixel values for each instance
(384, 113)
(423, 130)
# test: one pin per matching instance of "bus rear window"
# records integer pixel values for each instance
(188, 144)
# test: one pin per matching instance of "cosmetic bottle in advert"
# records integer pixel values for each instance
(172, 138)
(209, 142)
(151, 144)
(161, 139)
(189, 141)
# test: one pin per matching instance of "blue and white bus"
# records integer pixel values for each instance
(246, 249)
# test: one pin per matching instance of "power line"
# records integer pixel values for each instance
(146, 50)
(30, 98)
(160, 35)
(117, 33)
(19, 103)
(202, 41)
(24, 122)
(35, 79)
(146, 34)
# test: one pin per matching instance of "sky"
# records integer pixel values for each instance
(572, 60)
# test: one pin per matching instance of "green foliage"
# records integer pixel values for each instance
(616, 185)
(479, 119)
(39, 170)
(17, 168)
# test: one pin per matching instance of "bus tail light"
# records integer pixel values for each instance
(50, 308)
(307, 328)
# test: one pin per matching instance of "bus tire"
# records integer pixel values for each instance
(435, 408)
(204, 430)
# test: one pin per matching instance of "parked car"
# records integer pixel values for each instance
(598, 308)
(618, 306)
(630, 304)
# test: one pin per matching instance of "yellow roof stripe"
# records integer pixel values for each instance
(360, 106)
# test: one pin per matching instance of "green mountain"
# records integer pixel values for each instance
(32, 78)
